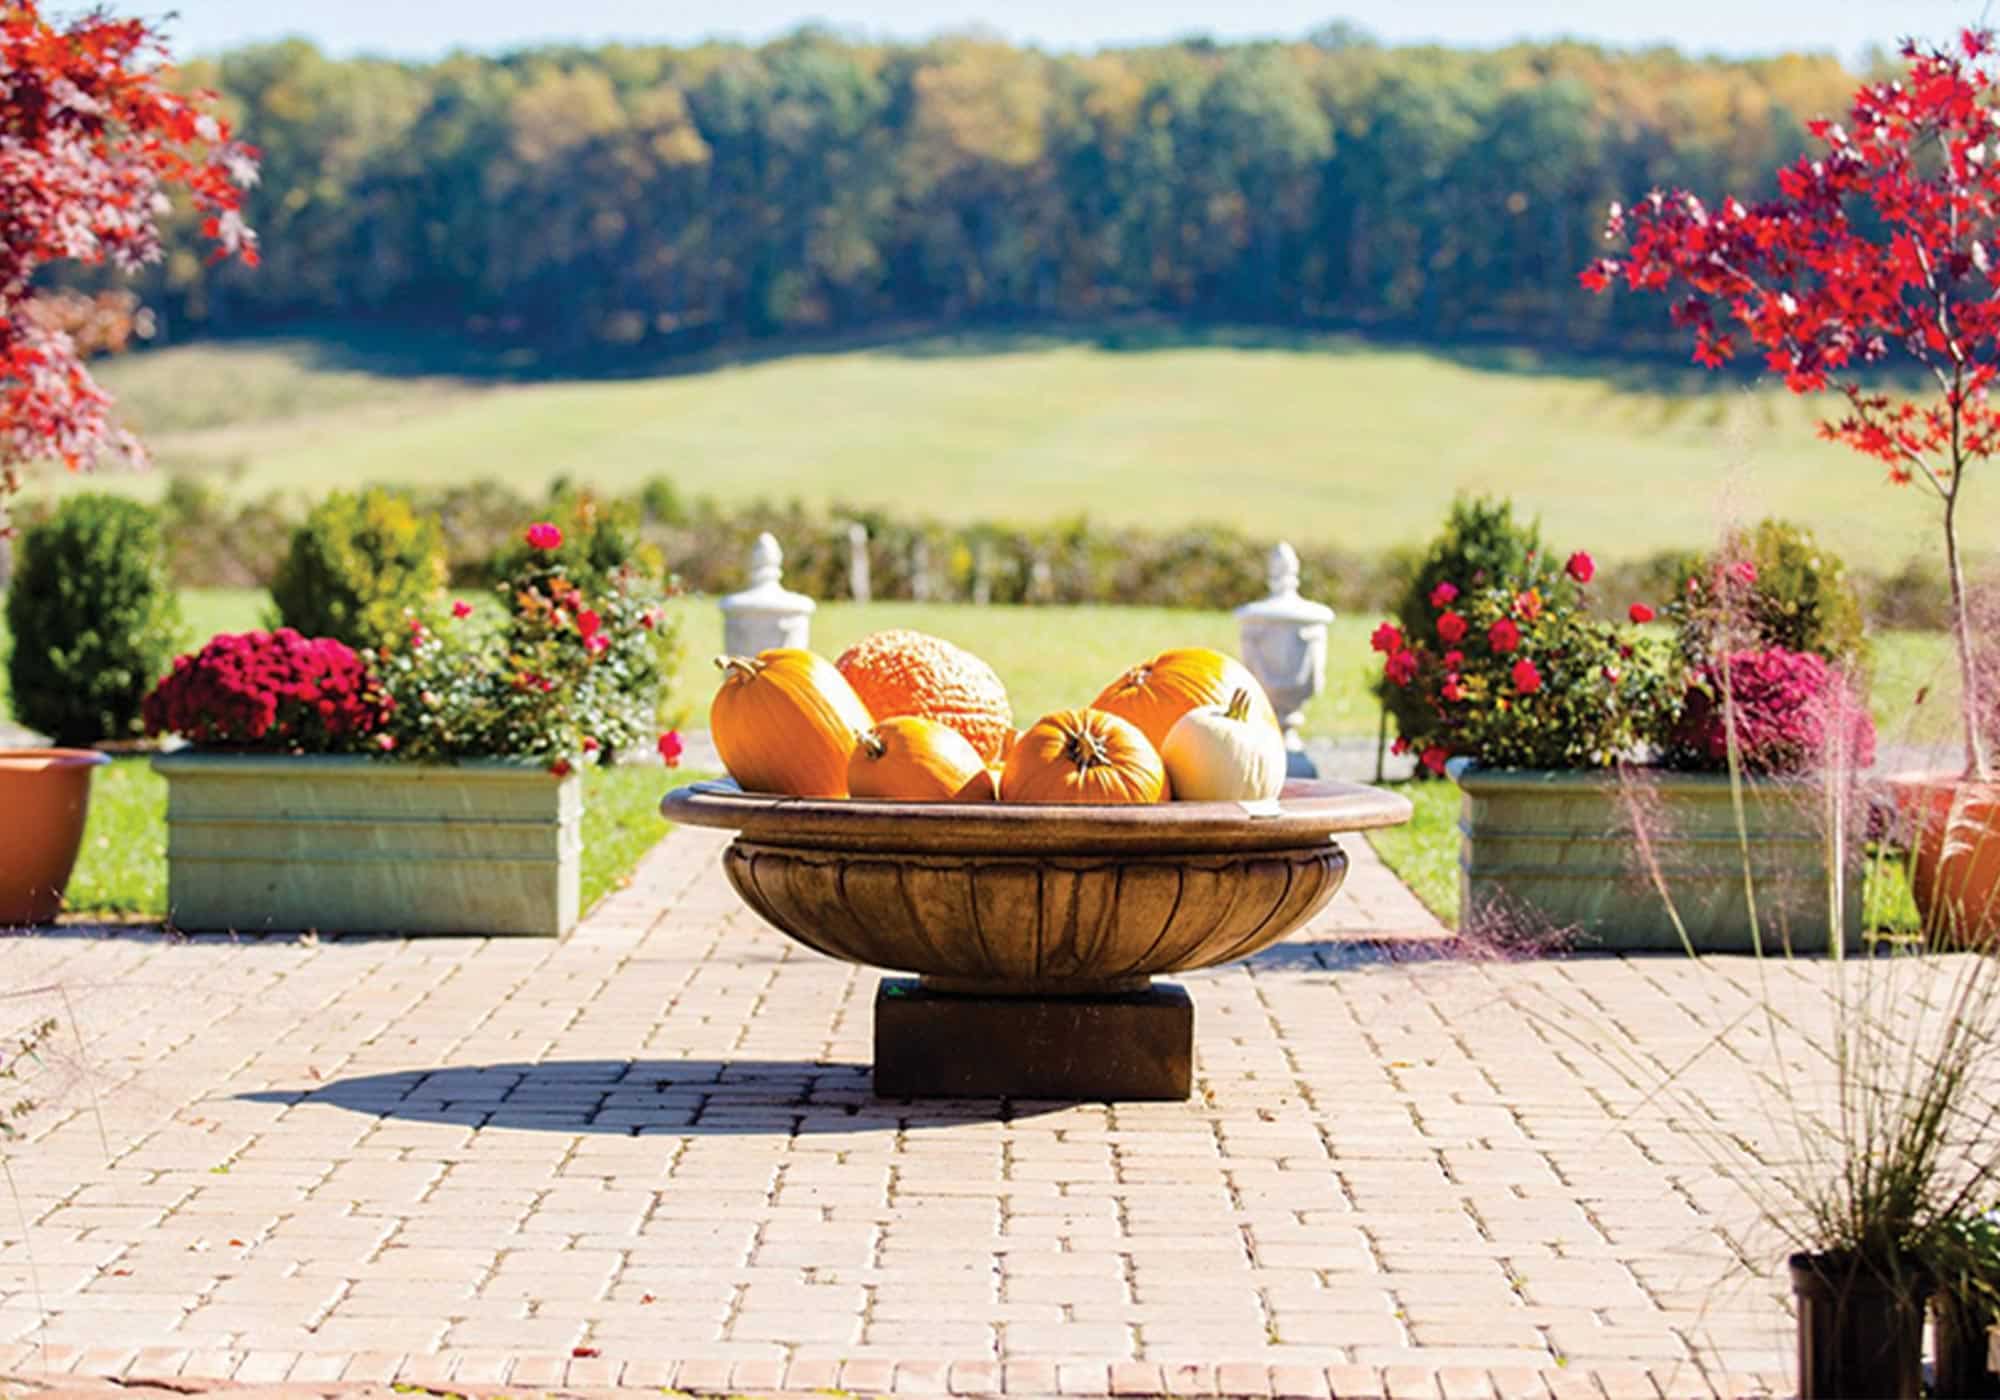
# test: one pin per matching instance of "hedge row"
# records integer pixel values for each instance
(215, 542)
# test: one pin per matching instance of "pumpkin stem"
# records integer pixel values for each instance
(1239, 705)
(873, 743)
(1085, 749)
(738, 668)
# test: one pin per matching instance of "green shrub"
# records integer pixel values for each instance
(94, 619)
(1794, 594)
(600, 539)
(1481, 546)
(357, 565)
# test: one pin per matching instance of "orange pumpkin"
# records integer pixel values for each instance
(1155, 694)
(1083, 756)
(785, 721)
(917, 760)
(901, 672)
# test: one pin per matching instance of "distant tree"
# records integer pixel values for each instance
(91, 138)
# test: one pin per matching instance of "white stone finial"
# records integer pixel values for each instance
(1281, 570)
(767, 561)
(766, 614)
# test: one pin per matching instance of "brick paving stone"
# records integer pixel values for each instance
(974, 1378)
(1137, 1378)
(1354, 1382)
(1028, 1378)
(1243, 1378)
(477, 1153)
(1083, 1378)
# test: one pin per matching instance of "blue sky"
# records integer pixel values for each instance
(424, 28)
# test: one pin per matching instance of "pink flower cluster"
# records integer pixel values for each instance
(269, 690)
(1788, 708)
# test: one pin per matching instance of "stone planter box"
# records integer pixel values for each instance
(357, 845)
(1545, 850)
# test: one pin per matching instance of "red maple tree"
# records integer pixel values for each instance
(92, 139)
(1881, 244)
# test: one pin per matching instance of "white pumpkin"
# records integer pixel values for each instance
(1221, 753)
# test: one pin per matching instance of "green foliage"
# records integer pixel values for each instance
(359, 565)
(94, 619)
(568, 674)
(816, 183)
(1482, 545)
(1795, 594)
(1538, 682)
(600, 539)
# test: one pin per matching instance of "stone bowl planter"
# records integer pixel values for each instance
(1034, 922)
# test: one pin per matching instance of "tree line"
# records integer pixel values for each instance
(676, 197)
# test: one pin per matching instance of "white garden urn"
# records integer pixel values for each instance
(766, 614)
(1284, 645)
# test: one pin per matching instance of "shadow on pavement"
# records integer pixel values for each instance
(632, 1098)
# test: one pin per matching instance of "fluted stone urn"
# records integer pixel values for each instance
(1034, 931)
(1284, 645)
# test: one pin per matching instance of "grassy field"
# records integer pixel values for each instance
(1323, 438)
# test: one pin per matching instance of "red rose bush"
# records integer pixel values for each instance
(1516, 673)
(274, 691)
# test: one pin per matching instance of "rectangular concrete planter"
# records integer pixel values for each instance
(1561, 850)
(361, 845)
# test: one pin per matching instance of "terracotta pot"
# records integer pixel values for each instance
(1954, 827)
(44, 794)
(1860, 1336)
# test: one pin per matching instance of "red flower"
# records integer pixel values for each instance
(561, 768)
(649, 619)
(1401, 668)
(1434, 758)
(1503, 636)
(671, 748)
(1450, 691)
(461, 608)
(1454, 659)
(1580, 567)
(1744, 572)
(1401, 746)
(1529, 604)
(385, 742)
(596, 642)
(1639, 612)
(590, 745)
(1387, 639)
(588, 624)
(1451, 628)
(1442, 595)
(543, 535)
(1527, 679)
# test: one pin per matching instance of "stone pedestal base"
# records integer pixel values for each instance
(935, 1045)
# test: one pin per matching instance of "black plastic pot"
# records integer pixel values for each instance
(1861, 1336)
(1958, 1349)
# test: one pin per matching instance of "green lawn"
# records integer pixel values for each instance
(1323, 438)
(122, 868)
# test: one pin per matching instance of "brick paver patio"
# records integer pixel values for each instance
(648, 1155)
